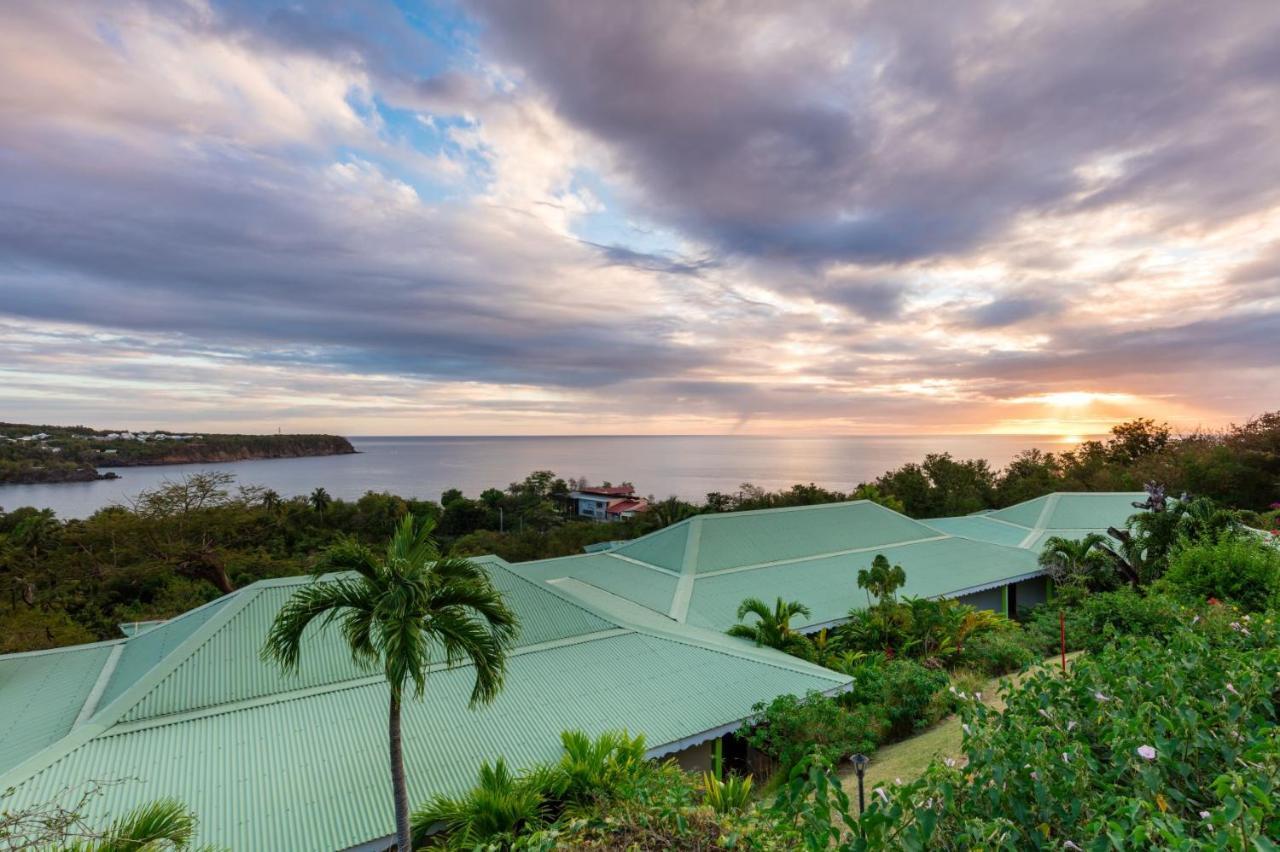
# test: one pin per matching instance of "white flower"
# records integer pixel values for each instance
(1070, 845)
(1099, 696)
(966, 728)
(1066, 758)
(1231, 688)
(1043, 712)
(1035, 776)
(978, 695)
(897, 781)
(952, 689)
(879, 791)
(1146, 752)
(1204, 815)
(1071, 724)
(1194, 620)
(950, 762)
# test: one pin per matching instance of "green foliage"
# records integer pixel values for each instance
(591, 774)
(159, 826)
(1238, 568)
(997, 652)
(941, 486)
(881, 580)
(1100, 618)
(813, 803)
(499, 805)
(772, 627)
(1150, 743)
(728, 795)
(911, 696)
(790, 728)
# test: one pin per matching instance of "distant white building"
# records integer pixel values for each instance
(39, 436)
(608, 502)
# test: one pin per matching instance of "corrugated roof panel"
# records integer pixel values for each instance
(41, 695)
(144, 651)
(980, 528)
(748, 538)
(829, 585)
(227, 666)
(311, 774)
(645, 586)
(1026, 513)
(664, 548)
(1094, 511)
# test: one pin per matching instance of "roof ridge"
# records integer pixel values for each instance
(135, 692)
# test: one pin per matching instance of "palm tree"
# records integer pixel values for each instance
(320, 500)
(1069, 559)
(398, 611)
(165, 824)
(772, 626)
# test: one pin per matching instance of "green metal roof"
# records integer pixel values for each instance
(699, 570)
(1031, 523)
(41, 695)
(269, 762)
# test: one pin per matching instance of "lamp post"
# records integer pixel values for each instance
(860, 762)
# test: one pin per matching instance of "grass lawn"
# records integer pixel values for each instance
(907, 760)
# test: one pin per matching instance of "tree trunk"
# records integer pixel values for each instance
(400, 792)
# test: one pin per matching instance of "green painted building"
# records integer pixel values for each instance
(186, 708)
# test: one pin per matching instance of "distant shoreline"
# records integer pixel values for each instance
(42, 455)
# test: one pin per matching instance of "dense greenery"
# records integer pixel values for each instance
(1171, 743)
(187, 542)
(73, 453)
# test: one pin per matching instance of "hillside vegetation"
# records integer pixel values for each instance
(35, 453)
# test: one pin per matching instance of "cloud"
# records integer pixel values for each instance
(544, 216)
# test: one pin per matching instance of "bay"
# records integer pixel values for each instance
(423, 467)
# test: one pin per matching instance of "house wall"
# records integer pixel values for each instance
(695, 758)
(991, 599)
(1031, 593)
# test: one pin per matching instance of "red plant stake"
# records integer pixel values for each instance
(1062, 628)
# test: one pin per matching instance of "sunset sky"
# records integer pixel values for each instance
(659, 217)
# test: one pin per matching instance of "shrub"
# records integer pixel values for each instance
(788, 728)
(731, 794)
(1241, 569)
(998, 652)
(909, 695)
(501, 804)
(1100, 618)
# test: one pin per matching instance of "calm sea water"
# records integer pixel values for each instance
(686, 466)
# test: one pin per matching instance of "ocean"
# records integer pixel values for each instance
(685, 466)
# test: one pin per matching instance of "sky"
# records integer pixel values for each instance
(539, 217)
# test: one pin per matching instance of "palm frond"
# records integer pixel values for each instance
(321, 599)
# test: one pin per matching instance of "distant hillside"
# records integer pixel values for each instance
(33, 453)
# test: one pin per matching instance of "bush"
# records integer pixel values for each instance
(788, 728)
(1241, 569)
(1102, 617)
(997, 653)
(910, 696)
(1149, 743)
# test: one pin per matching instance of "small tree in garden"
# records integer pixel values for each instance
(1075, 562)
(882, 580)
(772, 627)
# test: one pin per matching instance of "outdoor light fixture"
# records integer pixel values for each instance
(860, 762)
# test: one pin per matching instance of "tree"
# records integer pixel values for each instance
(1073, 560)
(320, 500)
(395, 611)
(867, 491)
(881, 580)
(772, 626)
